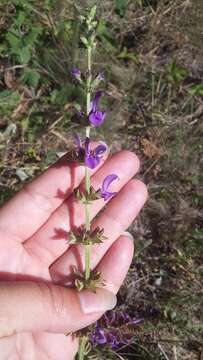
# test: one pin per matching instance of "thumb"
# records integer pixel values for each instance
(31, 307)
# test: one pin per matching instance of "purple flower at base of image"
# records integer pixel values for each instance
(98, 337)
(105, 193)
(114, 329)
(96, 118)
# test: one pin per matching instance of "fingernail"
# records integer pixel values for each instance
(100, 301)
(128, 234)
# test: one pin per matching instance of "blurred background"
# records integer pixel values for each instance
(152, 55)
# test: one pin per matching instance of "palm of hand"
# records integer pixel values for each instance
(33, 229)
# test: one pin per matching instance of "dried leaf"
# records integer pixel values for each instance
(150, 149)
(21, 109)
(9, 79)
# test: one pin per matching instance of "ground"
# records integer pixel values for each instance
(151, 54)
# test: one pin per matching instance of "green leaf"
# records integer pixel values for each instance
(24, 55)
(121, 7)
(4, 94)
(32, 35)
(9, 97)
(176, 74)
(30, 77)
(196, 90)
(84, 40)
(14, 40)
(3, 49)
(93, 12)
(128, 55)
(101, 28)
(20, 20)
(79, 285)
(139, 2)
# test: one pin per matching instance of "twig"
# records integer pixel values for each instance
(195, 115)
(175, 352)
(192, 118)
(56, 122)
(13, 68)
(56, 133)
(163, 352)
(151, 166)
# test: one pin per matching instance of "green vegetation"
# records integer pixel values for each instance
(150, 51)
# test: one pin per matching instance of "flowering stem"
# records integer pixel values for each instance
(87, 188)
(87, 173)
(83, 341)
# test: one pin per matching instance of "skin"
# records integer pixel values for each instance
(36, 310)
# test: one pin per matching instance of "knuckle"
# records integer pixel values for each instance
(53, 298)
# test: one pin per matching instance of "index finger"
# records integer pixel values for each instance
(29, 209)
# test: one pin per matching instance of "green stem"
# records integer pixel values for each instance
(87, 173)
(153, 88)
(87, 188)
(82, 347)
(87, 261)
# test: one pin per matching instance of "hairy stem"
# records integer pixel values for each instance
(83, 341)
(87, 173)
(87, 187)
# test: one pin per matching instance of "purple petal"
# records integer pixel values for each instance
(108, 195)
(100, 76)
(100, 149)
(80, 114)
(125, 316)
(87, 146)
(101, 338)
(106, 183)
(98, 337)
(95, 101)
(108, 180)
(97, 118)
(135, 321)
(75, 72)
(106, 320)
(113, 341)
(92, 161)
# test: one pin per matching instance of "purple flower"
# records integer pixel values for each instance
(105, 186)
(114, 340)
(93, 157)
(75, 72)
(98, 337)
(96, 117)
(100, 76)
(115, 328)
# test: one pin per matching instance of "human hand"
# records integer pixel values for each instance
(35, 312)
